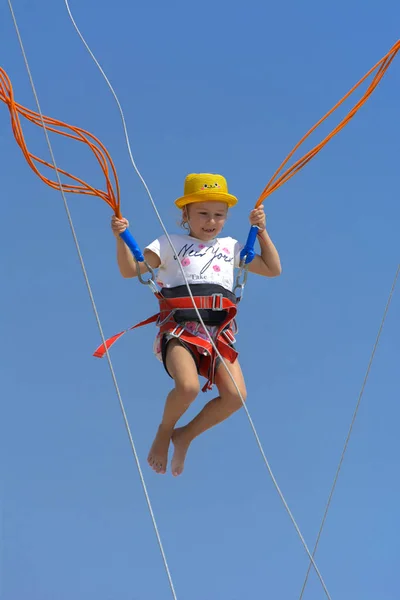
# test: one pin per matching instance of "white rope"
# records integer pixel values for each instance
(351, 426)
(194, 305)
(93, 304)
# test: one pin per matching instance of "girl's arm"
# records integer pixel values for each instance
(268, 263)
(126, 262)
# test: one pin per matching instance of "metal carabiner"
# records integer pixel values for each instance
(241, 278)
(150, 281)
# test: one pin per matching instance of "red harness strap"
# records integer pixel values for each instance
(203, 349)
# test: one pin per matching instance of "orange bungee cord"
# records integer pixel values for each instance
(276, 182)
(279, 178)
(111, 196)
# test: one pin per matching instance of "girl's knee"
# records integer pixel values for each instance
(188, 388)
(235, 400)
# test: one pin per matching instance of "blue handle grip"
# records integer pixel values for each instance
(132, 245)
(248, 250)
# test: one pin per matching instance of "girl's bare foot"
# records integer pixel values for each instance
(158, 455)
(181, 445)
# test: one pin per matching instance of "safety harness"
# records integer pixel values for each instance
(202, 349)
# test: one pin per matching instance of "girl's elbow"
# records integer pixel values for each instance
(127, 273)
(275, 271)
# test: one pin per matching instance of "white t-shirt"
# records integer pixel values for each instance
(203, 262)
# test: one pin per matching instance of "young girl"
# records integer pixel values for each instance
(209, 260)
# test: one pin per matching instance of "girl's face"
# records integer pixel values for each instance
(206, 219)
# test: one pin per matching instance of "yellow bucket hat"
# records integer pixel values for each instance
(205, 187)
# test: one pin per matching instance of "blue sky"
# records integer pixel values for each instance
(205, 87)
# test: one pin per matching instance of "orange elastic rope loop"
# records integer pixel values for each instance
(112, 193)
(277, 180)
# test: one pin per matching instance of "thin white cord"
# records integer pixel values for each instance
(351, 426)
(191, 296)
(93, 304)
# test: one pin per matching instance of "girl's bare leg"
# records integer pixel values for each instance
(182, 368)
(214, 412)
